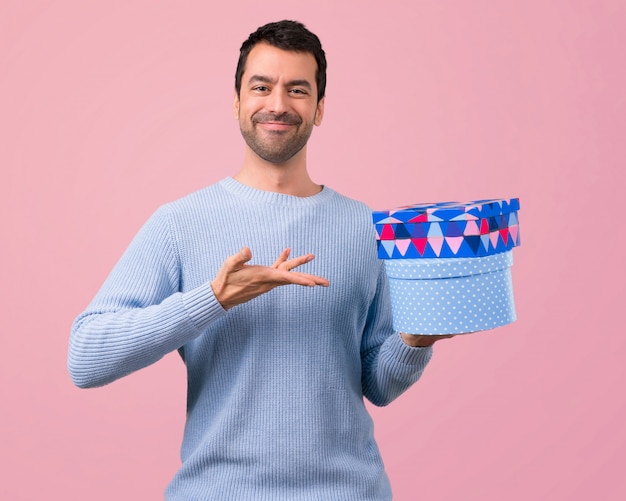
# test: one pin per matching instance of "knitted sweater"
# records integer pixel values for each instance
(275, 386)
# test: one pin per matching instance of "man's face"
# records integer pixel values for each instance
(277, 106)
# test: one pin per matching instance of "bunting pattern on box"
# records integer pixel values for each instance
(449, 229)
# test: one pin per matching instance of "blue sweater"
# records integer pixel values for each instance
(275, 396)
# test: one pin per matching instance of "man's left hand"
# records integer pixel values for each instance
(422, 341)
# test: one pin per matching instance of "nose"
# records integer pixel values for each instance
(277, 101)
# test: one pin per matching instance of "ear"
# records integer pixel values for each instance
(319, 112)
(236, 106)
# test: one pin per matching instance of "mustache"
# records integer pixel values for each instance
(283, 118)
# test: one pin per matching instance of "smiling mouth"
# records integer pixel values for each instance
(282, 121)
(276, 126)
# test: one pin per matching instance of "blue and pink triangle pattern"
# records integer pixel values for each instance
(448, 229)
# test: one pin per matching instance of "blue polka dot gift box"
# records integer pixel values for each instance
(449, 264)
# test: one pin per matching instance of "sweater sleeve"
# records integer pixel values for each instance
(139, 315)
(389, 365)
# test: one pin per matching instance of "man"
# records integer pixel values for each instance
(278, 357)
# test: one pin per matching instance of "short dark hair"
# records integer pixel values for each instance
(286, 35)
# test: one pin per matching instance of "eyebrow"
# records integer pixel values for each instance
(291, 83)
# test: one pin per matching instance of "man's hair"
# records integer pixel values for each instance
(285, 35)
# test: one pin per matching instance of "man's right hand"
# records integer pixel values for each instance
(237, 282)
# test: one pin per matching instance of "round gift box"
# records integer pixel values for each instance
(451, 296)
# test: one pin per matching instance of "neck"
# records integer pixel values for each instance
(290, 178)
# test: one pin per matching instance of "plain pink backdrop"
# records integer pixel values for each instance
(109, 109)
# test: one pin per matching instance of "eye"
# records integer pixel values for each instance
(298, 92)
(260, 88)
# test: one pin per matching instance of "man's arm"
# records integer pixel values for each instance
(139, 315)
(391, 361)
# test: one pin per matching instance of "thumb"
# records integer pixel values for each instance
(238, 260)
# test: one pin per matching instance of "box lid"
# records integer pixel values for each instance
(448, 229)
(447, 211)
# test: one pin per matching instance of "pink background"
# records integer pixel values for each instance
(109, 109)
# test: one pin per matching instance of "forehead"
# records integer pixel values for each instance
(269, 61)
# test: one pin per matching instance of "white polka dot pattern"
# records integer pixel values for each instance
(447, 267)
(451, 295)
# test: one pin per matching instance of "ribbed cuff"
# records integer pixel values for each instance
(410, 355)
(202, 306)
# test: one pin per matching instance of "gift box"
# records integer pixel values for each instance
(448, 230)
(449, 264)
(451, 296)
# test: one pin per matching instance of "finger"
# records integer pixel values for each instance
(237, 261)
(297, 261)
(297, 278)
(282, 258)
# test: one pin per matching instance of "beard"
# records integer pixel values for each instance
(276, 147)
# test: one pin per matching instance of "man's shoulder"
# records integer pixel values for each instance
(356, 208)
(349, 201)
(206, 196)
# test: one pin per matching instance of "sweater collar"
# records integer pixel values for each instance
(269, 197)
